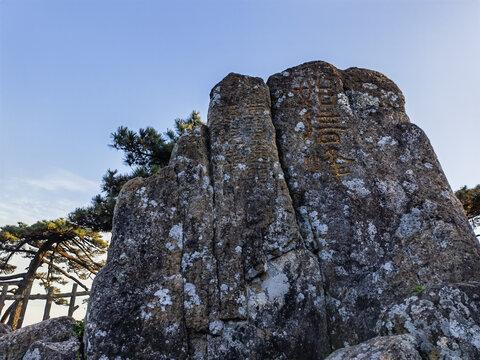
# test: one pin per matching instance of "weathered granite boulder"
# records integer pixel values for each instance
(64, 350)
(397, 347)
(282, 230)
(371, 198)
(444, 319)
(14, 345)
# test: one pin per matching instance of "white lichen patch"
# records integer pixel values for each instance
(215, 97)
(172, 329)
(193, 298)
(164, 299)
(279, 101)
(215, 327)
(388, 267)
(300, 126)
(176, 233)
(189, 258)
(224, 288)
(276, 284)
(370, 86)
(326, 254)
(358, 186)
(364, 101)
(372, 231)
(386, 140)
(32, 355)
(410, 224)
(145, 315)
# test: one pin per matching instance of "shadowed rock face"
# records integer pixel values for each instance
(283, 230)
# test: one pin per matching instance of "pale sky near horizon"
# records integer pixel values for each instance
(72, 71)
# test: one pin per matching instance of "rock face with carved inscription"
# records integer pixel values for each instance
(295, 224)
(370, 195)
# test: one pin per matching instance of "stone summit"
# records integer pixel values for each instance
(309, 220)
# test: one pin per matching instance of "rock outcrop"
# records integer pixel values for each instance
(303, 216)
(397, 347)
(26, 343)
(64, 350)
(445, 319)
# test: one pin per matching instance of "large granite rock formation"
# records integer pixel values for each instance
(285, 229)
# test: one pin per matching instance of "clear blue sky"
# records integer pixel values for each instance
(72, 71)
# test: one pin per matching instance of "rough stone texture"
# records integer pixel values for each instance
(145, 302)
(444, 319)
(281, 231)
(65, 350)
(14, 345)
(370, 195)
(206, 259)
(399, 347)
(5, 329)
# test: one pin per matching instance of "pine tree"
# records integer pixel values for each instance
(470, 199)
(58, 251)
(145, 152)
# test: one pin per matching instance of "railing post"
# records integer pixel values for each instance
(3, 296)
(48, 304)
(24, 306)
(72, 307)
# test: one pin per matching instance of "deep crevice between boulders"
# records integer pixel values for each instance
(322, 273)
(214, 220)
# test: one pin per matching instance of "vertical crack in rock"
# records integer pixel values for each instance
(268, 281)
(381, 213)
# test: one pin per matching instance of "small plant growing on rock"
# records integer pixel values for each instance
(418, 290)
(79, 329)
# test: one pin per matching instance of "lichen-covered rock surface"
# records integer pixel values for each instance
(15, 344)
(370, 195)
(397, 347)
(64, 350)
(445, 319)
(285, 229)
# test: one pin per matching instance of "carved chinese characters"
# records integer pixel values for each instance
(324, 127)
(250, 156)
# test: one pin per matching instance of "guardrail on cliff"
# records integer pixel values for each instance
(14, 280)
